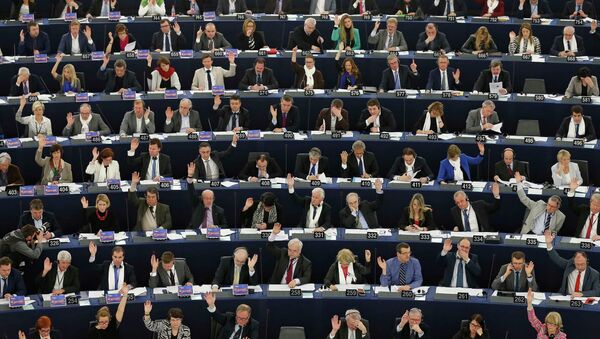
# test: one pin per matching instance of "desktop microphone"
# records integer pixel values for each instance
(45, 86)
(267, 323)
(210, 124)
(491, 266)
(506, 335)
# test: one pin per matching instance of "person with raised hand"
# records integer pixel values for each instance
(171, 327)
(235, 325)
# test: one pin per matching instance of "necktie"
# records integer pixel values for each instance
(3, 181)
(4, 286)
(314, 212)
(516, 287)
(361, 7)
(547, 222)
(576, 130)
(234, 120)
(357, 220)
(397, 80)
(167, 43)
(238, 333)
(209, 174)
(568, 45)
(68, 9)
(578, 9)
(578, 283)
(402, 275)
(444, 81)
(389, 41)
(495, 78)
(413, 334)
(211, 44)
(152, 211)
(283, 119)
(360, 167)
(236, 275)
(591, 224)
(153, 168)
(105, 172)
(105, 8)
(25, 88)
(460, 273)
(467, 223)
(278, 8)
(290, 272)
(172, 277)
(312, 170)
(259, 79)
(209, 79)
(510, 171)
(205, 222)
(116, 271)
(534, 10)
(484, 121)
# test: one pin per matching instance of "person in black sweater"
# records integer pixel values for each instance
(107, 326)
(262, 214)
(249, 38)
(417, 215)
(98, 218)
(123, 38)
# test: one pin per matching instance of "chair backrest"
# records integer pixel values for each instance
(534, 86)
(93, 323)
(583, 168)
(215, 329)
(81, 77)
(252, 156)
(528, 127)
(292, 332)
(526, 164)
(290, 39)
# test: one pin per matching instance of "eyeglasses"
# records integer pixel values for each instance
(474, 324)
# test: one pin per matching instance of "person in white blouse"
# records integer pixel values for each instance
(102, 166)
(152, 7)
(565, 170)
(37, 123)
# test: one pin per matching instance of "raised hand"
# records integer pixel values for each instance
(22, 101)
(105, 60)
(154, 263)
(70, 119)
(276, 228)
(593, 27)
(367, 256)
(21, 333)
(344, 157)
(495, 189)
(41, 141)
(518, 177)
(147, 307)
(110, 37)
(84, 202)
(217, 101)
(210, 299)
(573, 184)
(290, 181)
(135, 178)
(512, 35)
(404, 319)
(147, 113)
(481, 148)
(231, 58)
(376, 27)
(249, 203)
(529, 298)
(456, 75)
(273, 112)
(378, 185)
(336, 20)
(336, 323)
(191, 169)
(134, 144)
(548, 238)
(21, 35)
(381, 263)
(149, 59)
(447, 245)
(529, 268)
(95, 153)
(252, 262)
(169, 113)
(199, 33)
(176, 27)
(92, 248)
(47, 265)
(59, 58)
(88, 32)
(413, 66)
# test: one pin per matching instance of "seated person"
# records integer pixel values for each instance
(307, 76)
(236, 269)
(316, 213)
(138, 120)
(388, 39)
(208, 164)
(475, 328)
(19, 8)
(540, 215)
(448, 8)
(108, 326)
(151, 214)
(432, 120)
(172, 326)
(169, 271)
(516, 276)
(249, 38)
(349, 77)
(409, 166)
(37, 124)
(10, 174)
(278, 6)
(351, 326)
(98, 218)
(456, 167)
(151, 165)
(103, 167)
(25, 83)
(346, 270)
(22, 245)
(163, 76)
(68, 81)
(263, 167)
(43, 220)
(552, 326)
(123, 39)
(524, 42)
(405, 263)
(408, 7)
(461, 268)
(506, 168)
(494, 75)
(361, 214)
(312, 166)
(33, 41)
(14, 284)
(209, 39)
(482, 120)
(363, 7)
(480, 42)
(208, 76)
(565, 171)
(76, 43)
(491, 8)
(473, 216)
(398, 76)
(231, 323)
(84, 122)
(62, 7)
(152, 7)
(376, 119)
(417, 216)
(346, 36)
(263, 214)
(583, 84)
(577, 126)
(291, 266)
(433, 40)
(225, 7)
(285, 116)
(443, 78)
(259, 77)
(416, 328)
(182, 120)
(534, 9)
(334, 118)
(568, 44)
(118, 79)
(168, 39)
(360, 163)
(205, 212)
(318, 7)
(62, 278)
(579, 9)
(307, 37)
(232, 117)
(102, 8)
(55, 169)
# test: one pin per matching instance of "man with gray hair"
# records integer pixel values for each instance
(311, 166)
(587, 214)
(236, 269)
(416, 328)
(540, 215)
(482, 120)
(362, 214)
(473, 216)
(291, 267)
(353, 326)
(359, 163)
(567, 44)
(388, 39)
(316, 213)
(182, 120)
(25, 83)
(494, 80)
(62, 278)
(85, 122)
(307, 37)
(9, 174)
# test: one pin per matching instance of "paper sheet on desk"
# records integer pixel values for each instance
(316, 91)
(137, 95)
(224, 232)
(285, 288)
(454, 290)
(130, 46)
(95, 294)
(228, 183)
(573, 240)
(174, 236)
(382, 232)
(560, 297)
(497, 128)
(89, 236)
(536, 295)
(522, 137)
(63, 240)
(471, 234)
(343, 288)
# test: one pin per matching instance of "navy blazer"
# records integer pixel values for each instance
(197, 218)
(129, 80)
(41, 43)
(459, 8)
(16, 284)
(420, 164)
(591, 280)
(66, 43)
(408, 79)
(439, 42)
(35, 85)
(227, 321)
(47, 216)
(543, 9)
(472, 269)
(434, 82)
(292, 122)
(128, 277)
(558, 46)
(446, 172)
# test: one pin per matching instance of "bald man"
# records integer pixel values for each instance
(236, 269)
(206, 213)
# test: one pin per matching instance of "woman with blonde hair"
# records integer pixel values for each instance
(37, 123)
(347, 34)
(417, 215)
(524, 42)
(480, 42)
(107, 327)
(69, 83)
(552, 326)
(564, 171)
(98, 218)
(346, 270)
(432, 120)
(249, 38)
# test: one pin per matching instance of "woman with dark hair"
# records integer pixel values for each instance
(167, 328)
(107, 326)
(417, 215)
(54, 168)
(263, 214)
(524, 42)
(583, 84)
(43, 330)
(348, 74)
(249, 38)
(456, 166)
(103, 167)
(123, 38)
(98, 218)
(475, 329)
(163, 76)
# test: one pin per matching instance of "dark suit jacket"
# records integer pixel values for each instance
(182, 6)
(485, 77)
(558, 46)
(370, 164)
(303, 269)
(340, 125)
(16, 284)
(509, 282)
(47, 216)
(162, 278)
(227, 320)
(218, 213)
(501, 170)
(216, 156)
(405, 333)
(162, 212)
(177, 41)
(343, 332)
(35, 85)
(590, 131)
(286, 6)
(59, 6)
(16, 8)
(268, 79)
(53, 334)
(434, 81)
(96, 8)
(225, 113)
(293, 119)
(243, 43)
(428, 221)
(370, 6)
(459, 8)
(387, 123)
(70, 282)
(128, 277)
(360, 271)
(304, 201)
(591, 281)
(303, 41)
(65, 44)
(482, 210)
(472, 269)
(141, 163)
(407, 78)
(250, 170)
(582, 212)
(249, 213)
(421, 121)
(116, 45)
(224, 274)
(543, 9)
(13, 175)
(175, 125)
(223, 7)
(439, 42)
(420, 164)
(302, 167)
(41, 43)
(368, 209)
(129, 80)
(588, 8)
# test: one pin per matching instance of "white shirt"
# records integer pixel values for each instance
(138, 125)
(538, 224)
(212, 78)
(167, 36)
(60, 278)
(185, 123)
(573, 280)
(584, 230)
(231, 6)
(24, 10)
(458, 174)
(573, 42)
(375, 122)
(320, 7)
(111, 277)
(472, 219)
(214, 169)
(456, 263)
(75, 48)
(410, 169)
(310, 165)
(101, 174)
(149, 173)
(149, 220)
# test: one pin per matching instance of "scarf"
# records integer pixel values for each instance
(166, 75)
(124, 42)
(458, 174)
(350, 278)
(571, 133)
(100, 216)
(492, 4)
(427, 123)
(158, 2)
(259, 215)
(85, 124)
(347, 79)
(55, 173)
(310, 80)
(526, 46)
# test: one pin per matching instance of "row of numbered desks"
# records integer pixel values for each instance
(279, 309)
